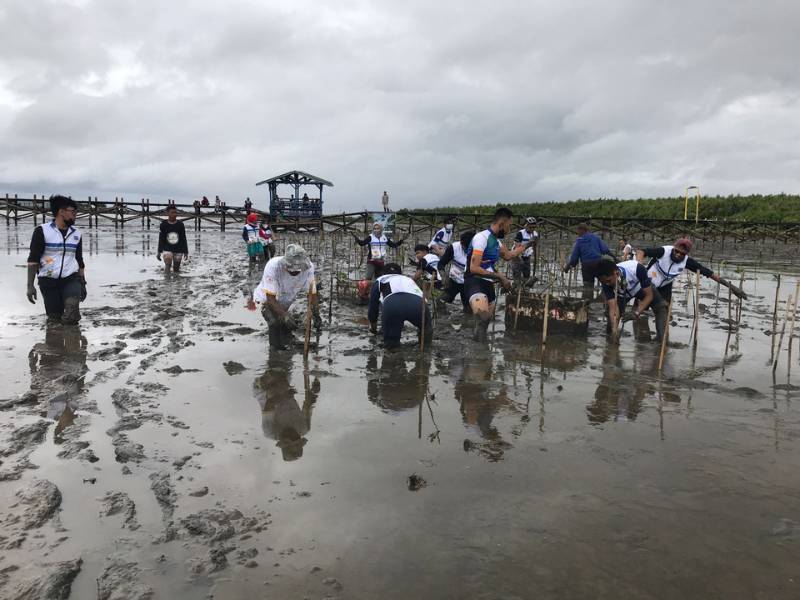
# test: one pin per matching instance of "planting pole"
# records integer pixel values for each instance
(546, 318)
(791, 325)
(666, 336)
(312, 291)
(789, 306)
(516, 310)
(775, 319)
(422, 325)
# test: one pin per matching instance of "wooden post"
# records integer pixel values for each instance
(791, 325)
(142, 213)
(516, 309)
(546, 318)
(121, 212)
(222, 217)
(16, 214)
(148, 213)
(665, 337)
(312, 291)
(35, 212)
(789, 307)
(422, 320)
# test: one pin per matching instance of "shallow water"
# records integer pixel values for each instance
(575, 473)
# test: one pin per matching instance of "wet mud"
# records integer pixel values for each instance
(160, 449)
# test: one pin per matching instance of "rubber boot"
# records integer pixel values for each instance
(71, 314)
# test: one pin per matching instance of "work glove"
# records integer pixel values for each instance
(84, 293)
(31, 294)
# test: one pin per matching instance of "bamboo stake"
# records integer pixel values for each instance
(789, 307)
(665, 337)
(791, 325)
(312, 291)
(516, 310)
(696, 321)
(422, 321)
(546, 319)
(774, 320)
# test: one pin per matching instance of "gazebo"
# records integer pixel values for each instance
(295, 207)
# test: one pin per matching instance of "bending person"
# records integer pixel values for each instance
(588, 250)
(397, 299)
(456, 257)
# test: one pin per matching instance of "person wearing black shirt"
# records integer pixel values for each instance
(172, 241)
(56, 256)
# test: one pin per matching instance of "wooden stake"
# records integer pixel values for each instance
(666, 336)
(312, 291)
(791, 325)
(546, 318)
(789, 306)
(422, 321)
(516, 310)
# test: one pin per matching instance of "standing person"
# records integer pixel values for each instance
(441, 238)
(626, 281)
(483, 252)
(588, 250)
(521, 266)
(267, 238)
(668, 262)
(217, 204)
(427, 265)
(56, 258)
(625, 250)
(385, 201)
(248, 205)
(255, 248)
(401, 300)
(456, 256)
(284, 278)
(172, 242)
(204, 202)
(378, 242)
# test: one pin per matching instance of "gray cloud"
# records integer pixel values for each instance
(440, 103)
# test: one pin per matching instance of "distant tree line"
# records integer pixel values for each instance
(756, 207)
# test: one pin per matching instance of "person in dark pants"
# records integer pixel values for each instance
(398, 299)
(456, 257)
(628, 281)
(56, 257)
(378, 242)
(172, 244)
(521, 266)
(589, 248)
(668, 262)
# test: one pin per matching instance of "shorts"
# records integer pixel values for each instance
(477, 286)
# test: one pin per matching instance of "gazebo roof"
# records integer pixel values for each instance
(296, 178)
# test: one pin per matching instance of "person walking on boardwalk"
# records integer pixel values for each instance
(283, 279)
(441, 238)
(56, 260)
(484, 251)
(378, 242)
(588, 250)
(255, 249)
(397, 299)
(456, 257)
(172, 244)
(627, 281)
(385, 201)
(521, 266)
(668, 262)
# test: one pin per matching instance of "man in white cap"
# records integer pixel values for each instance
(284, 278)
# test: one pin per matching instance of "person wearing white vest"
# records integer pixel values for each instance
(398, 299)
(441, 239)
(378, 243)
(521, 266)
(56, 259)
(427, 265)
(626, 281)
(667, 263)
(456, 257)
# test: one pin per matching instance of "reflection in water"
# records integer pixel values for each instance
(480, 399)
(58, 367)
(395, 386)
(282, 418)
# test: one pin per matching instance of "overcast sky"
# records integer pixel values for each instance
(438, 102)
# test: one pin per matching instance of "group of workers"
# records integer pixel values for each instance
(643, 278)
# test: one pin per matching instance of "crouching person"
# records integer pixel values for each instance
(626, 281)
(398, 299)
(284, 278)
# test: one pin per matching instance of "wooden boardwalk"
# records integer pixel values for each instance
(415, 225)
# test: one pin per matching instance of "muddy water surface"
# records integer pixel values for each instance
(160, 450)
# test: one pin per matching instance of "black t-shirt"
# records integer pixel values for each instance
(181, 246)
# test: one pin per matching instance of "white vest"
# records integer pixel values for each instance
(433, 261)
(631, 286)
(377, 246)
(58, 260)
(396, 284)
(459, 263)
(663, 271)
(446, 235)
(252, 233)
(526, 237)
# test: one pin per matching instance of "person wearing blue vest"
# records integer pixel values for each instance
(56, 259)
(483, 252)
(588, 250)
(626, 281)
